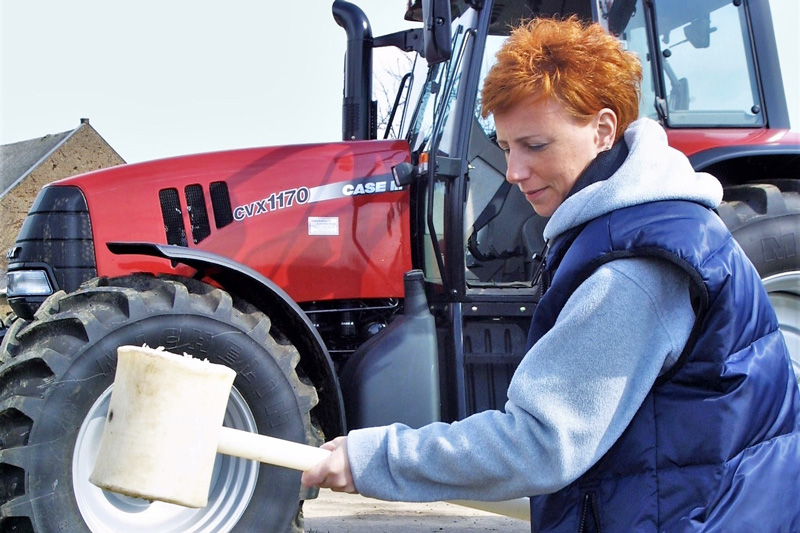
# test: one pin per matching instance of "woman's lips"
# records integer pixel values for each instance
(532, 195)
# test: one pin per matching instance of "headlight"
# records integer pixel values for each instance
(28, 283)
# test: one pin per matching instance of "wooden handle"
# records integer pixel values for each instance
(269, 449)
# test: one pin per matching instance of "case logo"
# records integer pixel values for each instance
(379, 184)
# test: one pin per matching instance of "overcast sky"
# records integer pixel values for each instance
(159, 78)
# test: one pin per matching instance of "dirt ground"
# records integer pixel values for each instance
(334, 512)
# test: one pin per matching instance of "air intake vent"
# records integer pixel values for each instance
(173, 218)
(198, 216)
(221, 203)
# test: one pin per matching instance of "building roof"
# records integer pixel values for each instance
(20, 158)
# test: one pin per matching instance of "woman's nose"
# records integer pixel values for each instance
(516, 170)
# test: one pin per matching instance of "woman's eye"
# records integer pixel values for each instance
(536, 147)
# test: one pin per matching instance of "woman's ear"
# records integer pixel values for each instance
(606, 121)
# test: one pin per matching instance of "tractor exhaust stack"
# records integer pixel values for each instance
(358, 112)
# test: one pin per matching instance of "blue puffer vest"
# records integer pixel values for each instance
(716, 443)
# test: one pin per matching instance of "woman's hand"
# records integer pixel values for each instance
(334, 472)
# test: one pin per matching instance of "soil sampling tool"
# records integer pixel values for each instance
(164, 428)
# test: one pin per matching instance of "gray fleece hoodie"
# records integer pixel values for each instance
(578, 388)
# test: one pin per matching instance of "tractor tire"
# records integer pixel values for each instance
(55, 388)
(13, 325)
(765, 219)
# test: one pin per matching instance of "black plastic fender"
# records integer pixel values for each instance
(263, 293)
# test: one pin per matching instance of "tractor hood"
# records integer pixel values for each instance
(290, 213)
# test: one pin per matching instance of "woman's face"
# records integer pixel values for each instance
(547, 149)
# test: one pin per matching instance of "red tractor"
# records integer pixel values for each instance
(358, 282)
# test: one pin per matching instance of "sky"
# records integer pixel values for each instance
(159, 78)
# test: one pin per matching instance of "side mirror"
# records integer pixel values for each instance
(404, 174)
(436, 30)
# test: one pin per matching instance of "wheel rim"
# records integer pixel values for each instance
(232, 485)
(784, 293)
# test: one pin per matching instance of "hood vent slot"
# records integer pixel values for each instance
(173, 217)
(221, 203)
(198, 216)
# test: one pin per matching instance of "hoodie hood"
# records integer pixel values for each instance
(652, 172)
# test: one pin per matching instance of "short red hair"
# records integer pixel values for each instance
(580, 65)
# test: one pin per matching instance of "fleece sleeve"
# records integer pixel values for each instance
(570, 399)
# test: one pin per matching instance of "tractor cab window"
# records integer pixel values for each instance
(432, 132)
(437, 96)
(502, 233)
(707, 64)
(501, 230)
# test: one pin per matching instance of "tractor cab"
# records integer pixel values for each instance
(479, 241)
(680, 47)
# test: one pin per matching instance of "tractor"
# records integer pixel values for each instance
(358, 282)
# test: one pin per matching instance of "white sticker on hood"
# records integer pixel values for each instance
(323, 225)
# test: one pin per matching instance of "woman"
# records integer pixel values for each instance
(657, 392)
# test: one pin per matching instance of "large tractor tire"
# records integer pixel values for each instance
(55, 388)
(12, 326)
(765, 220)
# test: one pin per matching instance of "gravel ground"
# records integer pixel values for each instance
(335, 512)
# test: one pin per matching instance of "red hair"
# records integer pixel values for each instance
(580, 65)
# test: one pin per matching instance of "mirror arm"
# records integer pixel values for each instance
(406, 40)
